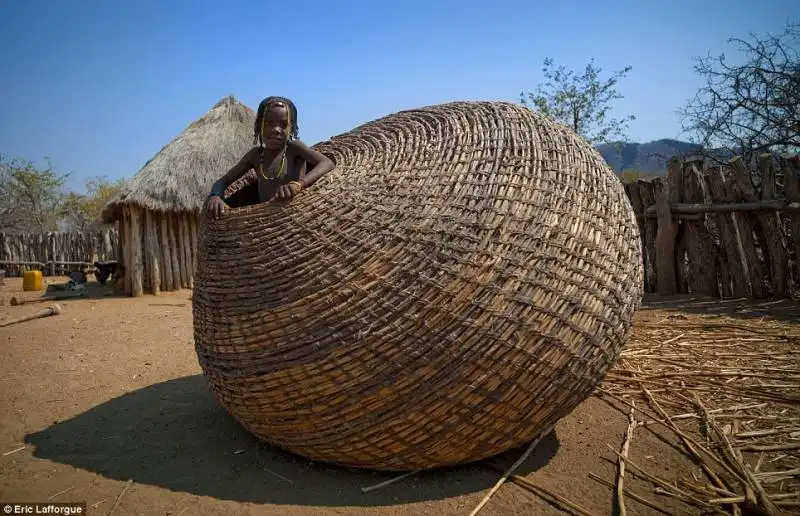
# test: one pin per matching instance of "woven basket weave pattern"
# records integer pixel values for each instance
(463, 279)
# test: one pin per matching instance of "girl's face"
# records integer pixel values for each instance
(275, 127)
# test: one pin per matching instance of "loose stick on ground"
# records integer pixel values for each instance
(751, 482)
(787, 473)
(666, 487)
(691, 444)
(278, 475)
(711, 326)
(510, 471)
(388, 482)
(632, 495)
(15, 450)
(67, 490)
(741, 499)
(622, 457)
(47, 312)
(772, 447)
(552, 498)
(119, 498)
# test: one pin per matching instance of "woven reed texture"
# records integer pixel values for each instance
(464, 279)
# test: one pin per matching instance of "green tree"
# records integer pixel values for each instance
(581, 101)
(30, 197)
(630, 175)
(82, 212)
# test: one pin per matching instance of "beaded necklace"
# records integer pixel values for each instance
(281, 169)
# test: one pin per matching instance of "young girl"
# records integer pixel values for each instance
(277, 158)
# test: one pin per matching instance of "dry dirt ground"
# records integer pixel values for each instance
(110, 391)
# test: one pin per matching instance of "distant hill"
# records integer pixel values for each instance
(649, 158)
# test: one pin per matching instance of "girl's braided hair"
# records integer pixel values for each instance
(262, 110)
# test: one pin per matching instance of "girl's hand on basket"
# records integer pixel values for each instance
(216, 207)
(288, 191)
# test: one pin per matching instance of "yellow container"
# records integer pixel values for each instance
(32, 280)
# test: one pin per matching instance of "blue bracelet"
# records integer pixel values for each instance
(215, 190)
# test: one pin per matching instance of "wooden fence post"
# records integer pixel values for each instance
(174, 240)
(768, 225)
(151, 252)
(743, 191)
(632, 190)
(702, 257)
(735, 278)
(169, 282)
(648, 191)
(186, 247)
(668, 230)
(790, 164)
(137, 265)
(53, 257)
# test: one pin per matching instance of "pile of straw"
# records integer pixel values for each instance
(464, 278)
(730, 393)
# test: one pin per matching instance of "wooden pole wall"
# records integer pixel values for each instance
(666, 263)
(166, 252)
(701, 257)
(152, 253)
(769, 232)
(159, 250)
(744, 191)
(193, 237)
(128, 252)
(137, 274)
(186, 248)
(790, 166)
(730, 230)
(173, 243)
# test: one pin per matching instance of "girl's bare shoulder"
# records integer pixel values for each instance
(252, 155)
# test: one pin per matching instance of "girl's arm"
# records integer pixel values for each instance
(321, 164)
(238, 170)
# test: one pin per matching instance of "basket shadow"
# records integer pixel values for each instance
(175, 435)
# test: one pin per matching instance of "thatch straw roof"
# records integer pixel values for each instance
(179, 177)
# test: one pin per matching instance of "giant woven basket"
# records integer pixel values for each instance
(464, 278)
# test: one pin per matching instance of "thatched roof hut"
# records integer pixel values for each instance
(158, 209)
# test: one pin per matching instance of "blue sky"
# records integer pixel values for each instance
(101, 86)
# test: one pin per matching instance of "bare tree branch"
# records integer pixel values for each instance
(752, 106)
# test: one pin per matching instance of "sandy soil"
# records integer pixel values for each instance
(110, 391)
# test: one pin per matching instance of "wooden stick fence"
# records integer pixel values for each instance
(55, 253)
(714, 230)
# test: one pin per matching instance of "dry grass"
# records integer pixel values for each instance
(729, 390)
